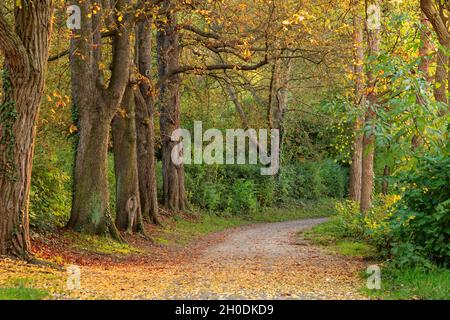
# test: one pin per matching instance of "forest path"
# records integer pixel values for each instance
(260, 261)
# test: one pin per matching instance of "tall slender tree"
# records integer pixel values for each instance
(359, 102)
(374, 45)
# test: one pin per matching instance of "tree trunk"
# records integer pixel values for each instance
(385, 185)
(144, 125)
(26, 52)
(360, 101)
(441, 75)
(169, 103)
(369, 137)
(91, 198)
(425, 51)
(433, 11)
(96, 105)
(125, 163)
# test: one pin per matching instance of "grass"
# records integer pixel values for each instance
(328, 234)
(409, 283)
(311, 209)
(21, 291)
(413, 283)
(96, 244)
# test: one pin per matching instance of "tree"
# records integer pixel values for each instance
(374, 44)
(168, 53)
(145, 105)
(437, 13)
(359, 101)
(25, 45)
(96, 103)
(128, 208)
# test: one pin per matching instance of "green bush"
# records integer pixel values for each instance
(373, 226)
(421, 226)
(50, 194)
(242, 198)
(334, 179)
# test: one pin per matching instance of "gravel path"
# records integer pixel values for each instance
(261, 261)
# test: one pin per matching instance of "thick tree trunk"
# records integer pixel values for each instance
(26, 52)
(144, 125)
(91, 198)
(128, 209)
(360, 100)
(169, 103)
(369, 137)
(96, 104)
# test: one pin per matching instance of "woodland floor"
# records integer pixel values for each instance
(258, 261)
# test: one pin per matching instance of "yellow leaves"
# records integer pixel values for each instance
(122, 112)
(72, 129)
(247, 54)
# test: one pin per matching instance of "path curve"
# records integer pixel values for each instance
(261, 261)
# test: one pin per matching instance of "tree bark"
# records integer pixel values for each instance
(374, 42)
(96, 105)
(125, 164)
(144, 124)
(25, 51)
(168, 52)
(385, 184)
(433, 10)
(360, 101)
(425, 52)
(441, 76)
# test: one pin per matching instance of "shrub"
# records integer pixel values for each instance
(242, 198)
(334, 179)
(374, 226)
(421, 226)
(50, 194)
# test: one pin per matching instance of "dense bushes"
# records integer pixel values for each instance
(373, 226)
(241, 189)
(414, 229)
(50, 195)
(421, 226)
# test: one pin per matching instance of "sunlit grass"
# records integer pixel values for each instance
(20, 290)
(413, 283)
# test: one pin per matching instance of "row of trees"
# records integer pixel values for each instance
(113, 88)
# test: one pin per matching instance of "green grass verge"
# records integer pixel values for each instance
(413, 283)
(328, 234)
(97, 244)
(409, 283)
(21, 291)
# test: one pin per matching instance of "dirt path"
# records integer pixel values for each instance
(262, 261)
